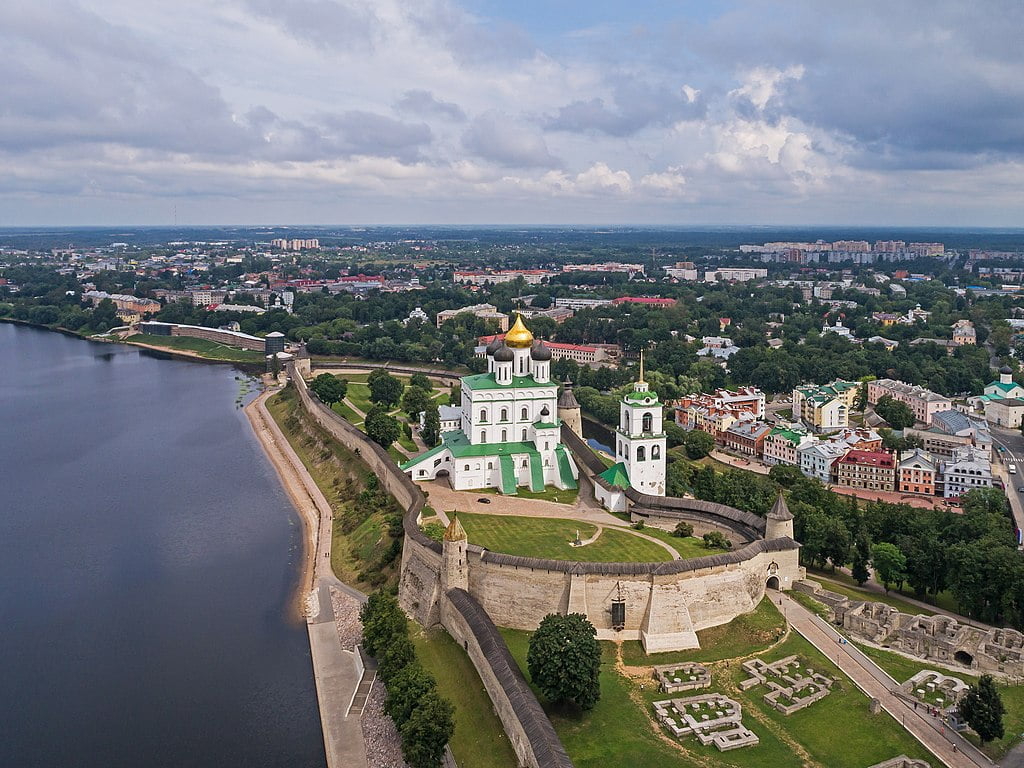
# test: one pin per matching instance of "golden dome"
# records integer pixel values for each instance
(519, 336)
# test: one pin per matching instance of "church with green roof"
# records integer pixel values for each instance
(509, 434)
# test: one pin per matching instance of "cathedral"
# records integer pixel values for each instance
(509, 433)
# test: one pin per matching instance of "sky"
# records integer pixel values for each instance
(495, 112)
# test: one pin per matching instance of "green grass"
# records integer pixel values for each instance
(359, 395)
(549, 538)
(687, 546)
(745, 635)
(901, 669)
(397, 456)
(331, 465)
(348, 414)
(408, 443)
(943, 601)
(202, 347)
(479, 740)
(550, 493)
(866, 739)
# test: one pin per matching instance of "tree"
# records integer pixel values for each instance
(380, 427)
(897, 414)
(564, 659)
(382, 620)
(861, 559)
(385, 389)
(398, 654)
(329, 388)
(415, 402)
(890, 564)
(420, 380)
(431, 432)
(683, 530)
(982, 707)
(429, 728)
(698, 444)
(785, 474)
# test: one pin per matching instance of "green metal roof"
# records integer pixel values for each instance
(461, 448)
(487, 381)
(616, 475)
(1003, 387)
(647, 398)
(789, 434)
(547, 425)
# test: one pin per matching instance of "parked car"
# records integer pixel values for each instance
(484, 500)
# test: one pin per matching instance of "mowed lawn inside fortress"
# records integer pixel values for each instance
(553, 539)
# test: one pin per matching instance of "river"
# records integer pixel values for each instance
(148, 557)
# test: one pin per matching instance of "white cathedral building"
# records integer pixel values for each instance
(509, 433)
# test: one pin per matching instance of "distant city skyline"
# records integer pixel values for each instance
(481, 112)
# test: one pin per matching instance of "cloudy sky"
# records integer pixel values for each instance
(493, 111)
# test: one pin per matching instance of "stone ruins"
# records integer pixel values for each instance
(673, 678)
(792, 686)
(942, 638)
(935, 689)
(711, 717)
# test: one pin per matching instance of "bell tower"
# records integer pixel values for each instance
(640, 438)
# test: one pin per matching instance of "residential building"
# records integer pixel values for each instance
(579, 302)
(780, 446)
(650, 301)
(558, 314)
(951, 431)
(734, 274)
(869, 470)
(746, 437)
(483, 311)
(967, 470)
(608, 266)
(825, 408)
(964, 333)
(817, 457)
(683, 270)
(861, 438)
(529, 276)
(295, 244)
(916, 473)
(584, 354)
(130, 305)
(922, 402)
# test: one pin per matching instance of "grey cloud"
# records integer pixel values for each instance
(420, 102)
(495, 137)
(637, 105)
(365, 133)
(325, 23)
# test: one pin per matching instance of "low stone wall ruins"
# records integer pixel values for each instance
(942, 638)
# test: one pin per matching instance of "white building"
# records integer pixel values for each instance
(817, 457)
(509, 431)
(969, 469)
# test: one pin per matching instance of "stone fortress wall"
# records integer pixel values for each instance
(665, 603)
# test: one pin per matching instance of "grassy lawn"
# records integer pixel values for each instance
(550, 493)
(359, 395)
(743, 636)
(549, 538)
(202, 347)
(397, 455)
(348, 414)
(407, 443)
(902, 669)
(687, 546)
(866, 739)
(943, 601)
(479, 740)
(331, 465)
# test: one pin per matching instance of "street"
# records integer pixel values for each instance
(1009, 450)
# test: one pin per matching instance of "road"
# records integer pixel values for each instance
(945, 744)
(1012, 444)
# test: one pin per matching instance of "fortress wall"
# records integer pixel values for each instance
(530, 732)
(419, 585)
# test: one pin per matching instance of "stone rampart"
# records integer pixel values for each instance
(530, 732)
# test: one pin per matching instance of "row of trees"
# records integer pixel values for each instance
(425, 719)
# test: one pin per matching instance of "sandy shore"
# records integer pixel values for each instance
(290, 471)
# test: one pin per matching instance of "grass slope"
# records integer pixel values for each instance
(479, 740)
(202, 347)
(549, 538)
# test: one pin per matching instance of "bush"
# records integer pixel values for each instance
(716, 540)
(564, 660)
(638, 525)
(683, 530)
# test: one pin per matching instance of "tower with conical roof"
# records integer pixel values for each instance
(779, 522)
(640, 438)
(454, 556)
(569, 410)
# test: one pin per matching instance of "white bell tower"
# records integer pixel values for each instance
(640, 438)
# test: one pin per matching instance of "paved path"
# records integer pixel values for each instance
(874, 682)
(334, 669)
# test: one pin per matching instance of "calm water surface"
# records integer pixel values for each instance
(147, 557)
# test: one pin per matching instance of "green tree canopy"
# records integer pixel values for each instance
(698, 444)
(385, 389)
(982, 707)
(415, 401)
(429, 728)
(380, 427)
(431, 432)
(329, 388)
(890, 564)
(564, 659)
(897, 414)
